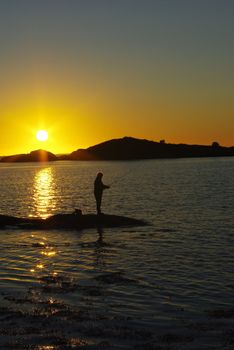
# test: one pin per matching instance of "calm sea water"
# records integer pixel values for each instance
(172, 274)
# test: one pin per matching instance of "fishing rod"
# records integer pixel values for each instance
(119, 178)
(85, 200)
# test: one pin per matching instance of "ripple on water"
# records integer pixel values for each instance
(129, 287)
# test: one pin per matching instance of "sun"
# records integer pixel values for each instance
(42, 135)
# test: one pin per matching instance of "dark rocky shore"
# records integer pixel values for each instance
(40, 320)
(69, 221)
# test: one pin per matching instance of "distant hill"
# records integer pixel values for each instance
(128, 148)
(34, 156)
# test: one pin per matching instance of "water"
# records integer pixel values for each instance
(167, 284)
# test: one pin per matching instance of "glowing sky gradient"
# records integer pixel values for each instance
(91, 70)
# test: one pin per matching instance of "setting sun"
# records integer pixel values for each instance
(42, 135)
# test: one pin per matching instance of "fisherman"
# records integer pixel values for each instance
(98, 190)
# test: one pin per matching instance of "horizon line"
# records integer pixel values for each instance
(162, 141)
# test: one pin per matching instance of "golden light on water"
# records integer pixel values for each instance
(44, 192)
(50, 253)
(40, 266)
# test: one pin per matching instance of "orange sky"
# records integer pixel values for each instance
(87, 74)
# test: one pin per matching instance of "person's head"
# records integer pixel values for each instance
(99, 175)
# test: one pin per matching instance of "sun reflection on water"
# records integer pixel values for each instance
(43, 258)
(44, 192)
(40, 266)
(51, 253)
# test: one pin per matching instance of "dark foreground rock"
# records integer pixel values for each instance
(69, 221)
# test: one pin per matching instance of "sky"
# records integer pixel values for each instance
(87, 71)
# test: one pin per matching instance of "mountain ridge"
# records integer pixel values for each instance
(128, 148)
(39, 155)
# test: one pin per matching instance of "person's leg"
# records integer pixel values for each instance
(99, 202)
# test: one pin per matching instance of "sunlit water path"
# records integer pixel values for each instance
(175, 275)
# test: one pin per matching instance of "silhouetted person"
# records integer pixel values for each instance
(98, 190)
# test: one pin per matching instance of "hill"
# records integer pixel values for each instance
(128, 148)
(34, 156)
